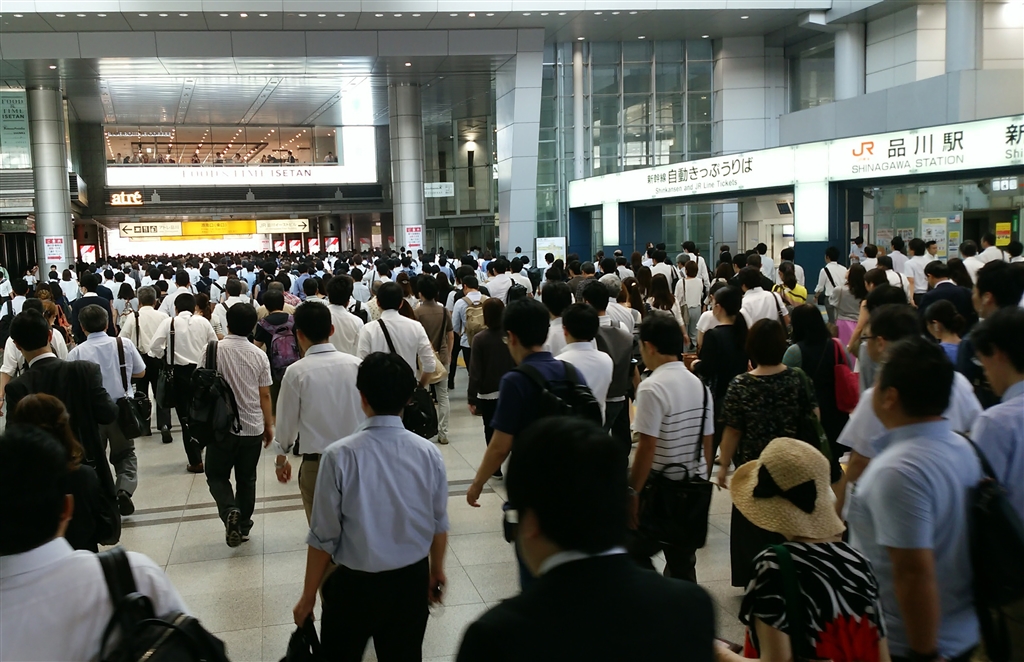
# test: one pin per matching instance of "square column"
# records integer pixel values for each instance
(406, 124)
(54, 231)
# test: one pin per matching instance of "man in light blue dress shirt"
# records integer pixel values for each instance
(390, 489)
(908, 512)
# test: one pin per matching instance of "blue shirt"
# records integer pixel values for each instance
(999, 433)
(914, 495)
(517, 394)
(297, 286)
(381, 497)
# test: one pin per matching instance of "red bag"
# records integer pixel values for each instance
(847, 384)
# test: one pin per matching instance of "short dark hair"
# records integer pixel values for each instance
(427, 287)
(917, 245)
(500, 265)
(273, 300)
(242, 318)
(181, 278)
(788, 253)
(832, 253)
(33, 477)
(968, 248)
(93, 318)
(1002, 330)
(30, 330)
(885, 261)
(233, 287)
(661, 330)
(937, 269)
(596, 294)
(761, 248)
(581, 321)
(585, 511)
(470, 281)
(494, 309)
(750, 277)
(608, 264)
(1004, 281)
(766, 342)
(897, 243)
(310, 286)
(557, 296)
(988, 238)
(871, 251)
(588, 268)
(528, 319)
(184, 302)
(1015, 248)
(895, 322)
(386, 381)
(339, 290)
(89, 281)
(885, 294)
(754, 260)
(314, 320)
(922, 374)
(20, 286)
(389, 296)
(809, 325)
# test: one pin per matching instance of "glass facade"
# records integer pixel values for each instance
(812, 76)
(645, 103)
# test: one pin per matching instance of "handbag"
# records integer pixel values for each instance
(809, 429)
(164, 390)
(847, 383)
(675, 512)
(134, 409)
(440, 369)
(419, 415)
(304, 645)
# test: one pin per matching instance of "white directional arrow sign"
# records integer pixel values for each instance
(145, 229)
(282, 225)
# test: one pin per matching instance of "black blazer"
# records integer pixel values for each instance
(81, 302)
(958, 296)
(600, 608)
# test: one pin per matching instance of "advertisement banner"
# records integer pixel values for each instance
(954, 243)
(54, 249)
(906, 234)
(883, 237)
(279, 245)
(413, 238)
(88, 254)
(150, 176)
(295, 245)
(934, 229)
(15, 148)
(1004, 233)
(314, 245)
(553, 245)
(365, 245)
(332, 244)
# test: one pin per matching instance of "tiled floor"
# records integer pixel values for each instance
(246, 594)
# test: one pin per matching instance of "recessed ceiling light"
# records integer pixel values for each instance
(398, 16)
(340, 15)
(81, 15)
(580, 38)
(526, 13)
(616, 13)
(704, 36)
(416, 15)
(597, 13)
(472, 15)
(379, 15)
(19, 16)
(641, 37)
(58, 15)
(561, 13)
(243, 15)
(223, 15)
(183, 15)
(271, 64)
(744, 17)
(543, 13)
(408, 64)
(632, 13)
(490, 13)
(102, 15)
(200, 66)
(321, 15)
(263, 15)
(143, 15)
(453, 14)
(161, 15)
(53, 66)
(302, 16)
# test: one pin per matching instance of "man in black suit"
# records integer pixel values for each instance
(78, 384)
(95, 293)
(567, 481)
(941, 288)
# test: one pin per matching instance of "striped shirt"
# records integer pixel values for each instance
(669, 407)
(245, 368)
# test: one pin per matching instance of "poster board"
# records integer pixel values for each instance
(883, 237)
(88, 253)
(314, 245)
(15, 147)
(954, 244)
(54, 249)
(294, 245)
(934, 229)
(332, 244)
(906, 234)
(279, 245)
(413, 238)
(1004, 234)
(553, 245)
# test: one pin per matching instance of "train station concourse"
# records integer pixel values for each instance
(163, 134)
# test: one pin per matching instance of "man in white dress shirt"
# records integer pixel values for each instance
(690, 248)
(870, 259)
(408, 339)
(556, 297)
(989, 251)
(345, 333)
(43, 581)
(499, 286)
(319, 401)
(831, 276)
(913, 269)
(664, 267)
(616, 310)
(758, 304)
(767, 263)
(140, 328)
(899, 258)
(579, 324)
(183, 285)
(19, 289)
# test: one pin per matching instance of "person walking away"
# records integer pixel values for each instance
(488, 367)
(437, 324)
(589, 600)
(246, 370)
(119, 363)
(407, 336)
(191, 334)
(846, 301)
(346, 325)
(908, 513)
(946, 325)
(467, 321)
(140, 329)
(580, 323)
(274, 334)
(390, 558)
(689, 292)
(829, 278)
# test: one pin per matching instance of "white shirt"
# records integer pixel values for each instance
(408, 336)
(669, 407)
(524, 281)
(620, 313)
(360, 292)
(556, 337)
(973, 264)
(768, 267)
(798, 270)
(706, 322)
(499, 286)
(864, 428)
(55, 605)
(760, 305)
(5, 287)
(71, 289)
(319, 402)
(838, 273)
(992, 254)
(594, 366)
(624, 272)
(898, 261)
(192, 333)
(899, 280)
(101, 349)
(869, 263)
(167, 307)
(220, 313)
(346, 330)
(14, 361)
(666, 270)
(914, 268)
(689, 292)
(16, 305)
(149, 320)
(702, 269)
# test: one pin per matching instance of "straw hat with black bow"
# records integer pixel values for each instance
(787, 491)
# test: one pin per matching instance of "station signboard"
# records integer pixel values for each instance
(146, 229)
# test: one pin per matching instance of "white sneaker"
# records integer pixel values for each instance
(443, 441)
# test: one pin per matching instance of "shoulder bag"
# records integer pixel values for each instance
(675, 512)
(164, 390)
(440, 369)
(823, 298)
(133, 408)
(846, 381)
(419, 415)
(808, 427)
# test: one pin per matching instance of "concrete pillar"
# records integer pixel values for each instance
(578, 139)
(963, 23)
(50, 177)
(406, 124)
(850, 61)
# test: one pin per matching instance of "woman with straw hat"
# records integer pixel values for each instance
(813, 597)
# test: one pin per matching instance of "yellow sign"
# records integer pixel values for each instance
(123, 199)
(216, 229)
(1004, 233)
(175, 238)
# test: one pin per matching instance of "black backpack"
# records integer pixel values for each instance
(515, 293)
(5, 322)
(536, 274)
(360, 312)
(213, 411)
(566, 397)
(169, 637)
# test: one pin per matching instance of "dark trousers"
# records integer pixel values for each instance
(616, 423)
(486, 409)
(389, 606)
(243, 455)
(182, 400)
(455, 363)
(680, 563)
(148, 383)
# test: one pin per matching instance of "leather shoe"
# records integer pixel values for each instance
(195, 468)
(124, 503)
(165, 435)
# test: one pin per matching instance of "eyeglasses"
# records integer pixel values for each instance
(869, 337)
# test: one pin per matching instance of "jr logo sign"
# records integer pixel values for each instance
(865, 149)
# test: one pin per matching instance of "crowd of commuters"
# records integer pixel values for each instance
(832, 417)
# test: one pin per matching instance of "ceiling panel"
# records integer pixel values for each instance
(158, 105)
(168, 18)
(87, 22)
(186, 66)
(223, 101)
(19, 22)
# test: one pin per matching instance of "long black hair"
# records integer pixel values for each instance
(731, 300)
